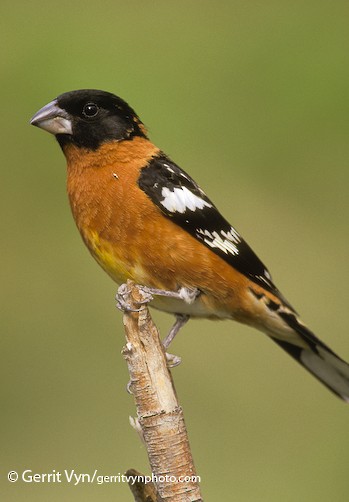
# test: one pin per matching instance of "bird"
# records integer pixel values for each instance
(143, 218)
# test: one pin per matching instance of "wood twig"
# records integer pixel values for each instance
(141, 491)
(160, 420)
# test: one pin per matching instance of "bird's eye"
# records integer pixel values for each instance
(90, 110)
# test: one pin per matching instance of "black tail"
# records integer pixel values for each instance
(317, 358)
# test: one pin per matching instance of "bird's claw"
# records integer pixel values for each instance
(148, 297)
(124, 305)
(173, 360)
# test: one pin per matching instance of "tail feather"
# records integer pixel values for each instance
(317, 358)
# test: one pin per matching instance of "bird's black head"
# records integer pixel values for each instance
(88, 117)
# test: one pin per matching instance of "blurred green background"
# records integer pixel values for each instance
(251, 98)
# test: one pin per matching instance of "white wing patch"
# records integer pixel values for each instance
(180, 199)
(225, 241)
(266, 278)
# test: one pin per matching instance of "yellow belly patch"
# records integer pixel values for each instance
(116, 266)
(107, 257)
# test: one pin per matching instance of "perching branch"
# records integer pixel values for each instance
(160, 420)
(142, 492)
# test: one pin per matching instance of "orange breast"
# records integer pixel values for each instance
(131, 239)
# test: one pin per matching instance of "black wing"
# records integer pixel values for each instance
(179, 198)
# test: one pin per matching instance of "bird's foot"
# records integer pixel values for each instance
(172, 360)
(122, 303)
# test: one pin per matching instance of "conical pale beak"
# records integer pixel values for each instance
(53, 119)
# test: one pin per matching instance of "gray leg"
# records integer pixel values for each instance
(181, 319)
(188, 295)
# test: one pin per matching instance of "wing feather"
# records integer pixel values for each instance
(181, 199)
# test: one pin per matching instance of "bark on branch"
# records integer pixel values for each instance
(160, 420)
